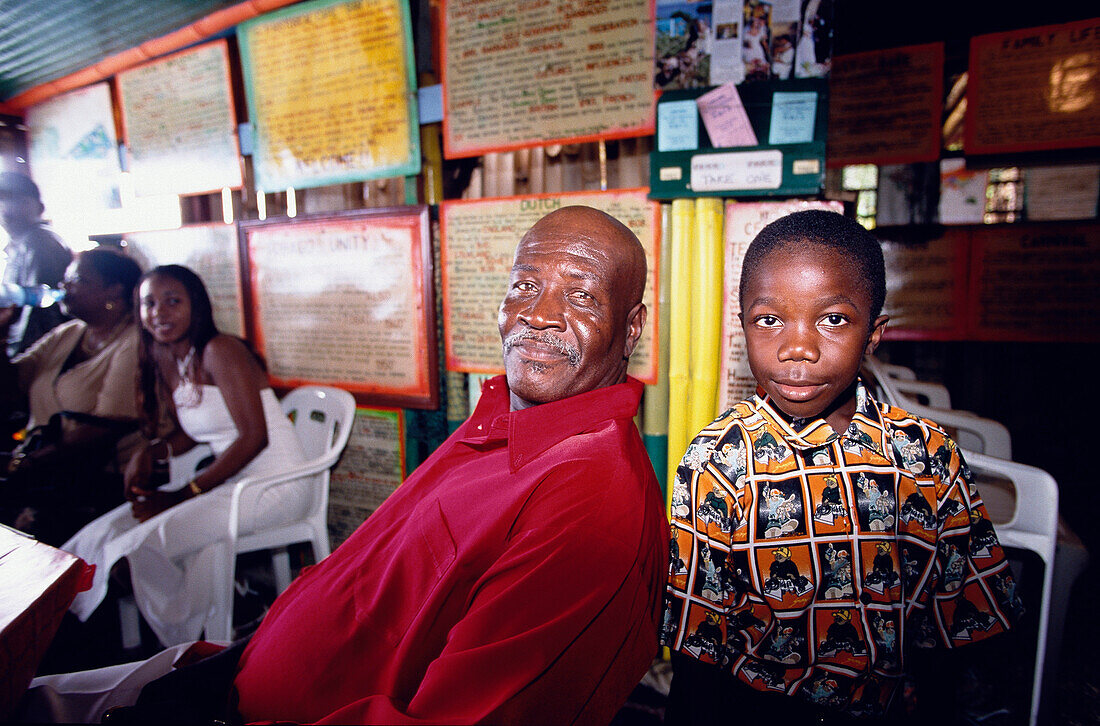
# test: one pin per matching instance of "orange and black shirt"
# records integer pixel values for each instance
(807, 562)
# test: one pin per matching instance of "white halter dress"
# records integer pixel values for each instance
(171, 555)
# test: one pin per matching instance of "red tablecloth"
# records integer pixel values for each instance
(37, 585)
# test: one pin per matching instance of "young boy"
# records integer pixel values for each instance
(825, 535)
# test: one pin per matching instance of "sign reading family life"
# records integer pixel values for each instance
(1034, 89)
(543, 71)
(331, 93)
(180, 123)
(479, 242)
(346, 300)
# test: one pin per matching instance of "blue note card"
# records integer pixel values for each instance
(677, 126)
(793, 115)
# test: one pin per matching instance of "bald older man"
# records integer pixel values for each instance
(516, 577)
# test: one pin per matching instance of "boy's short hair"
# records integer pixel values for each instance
(818, 227)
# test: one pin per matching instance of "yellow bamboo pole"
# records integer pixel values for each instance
(655, 404)
(679, 334)
(706, 313)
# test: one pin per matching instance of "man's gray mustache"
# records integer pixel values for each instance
(558, 344)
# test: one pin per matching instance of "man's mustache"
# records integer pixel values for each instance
(570, 352)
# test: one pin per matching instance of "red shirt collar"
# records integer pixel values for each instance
(532, 431)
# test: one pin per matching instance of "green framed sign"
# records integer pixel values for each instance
(331, 93)
(788, 120)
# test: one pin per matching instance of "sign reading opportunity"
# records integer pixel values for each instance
(535, 72)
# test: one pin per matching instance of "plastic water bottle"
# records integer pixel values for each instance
(41, 296)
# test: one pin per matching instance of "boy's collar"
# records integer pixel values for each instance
(811, 433)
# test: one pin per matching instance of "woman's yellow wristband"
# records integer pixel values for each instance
(195, 488)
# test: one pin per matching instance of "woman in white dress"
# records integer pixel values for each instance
(214, 390)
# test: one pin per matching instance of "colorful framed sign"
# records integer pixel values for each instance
(74, 152)
(479, 241)
(180, 124)
(331, 93)
(531, 73)
(346, 300)
(370, 469)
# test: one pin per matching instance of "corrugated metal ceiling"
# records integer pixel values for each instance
(43, 40)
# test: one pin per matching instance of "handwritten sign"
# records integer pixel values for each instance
(479, 241)
(1034, 89)
(370, 469)
(1035, 282)
(885, 106)
(926, 287)
(743, 221)
(737, 170)
(677, 126)
(346, 300)
(536, 72)
(180, 123)
(331, 93)
(211, 251)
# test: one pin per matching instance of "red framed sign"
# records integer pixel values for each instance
(885, 106)
(1034, 89)
(526, 74)
(346, 300)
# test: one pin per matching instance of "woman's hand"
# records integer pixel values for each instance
(138, 472)
(151, 503)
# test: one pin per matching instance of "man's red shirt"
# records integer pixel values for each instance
(515, 577)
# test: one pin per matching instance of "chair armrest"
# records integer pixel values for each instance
(262, 483)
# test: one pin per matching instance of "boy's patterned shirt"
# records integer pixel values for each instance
(807, 562)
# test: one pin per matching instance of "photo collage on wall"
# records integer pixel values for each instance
(701, 44)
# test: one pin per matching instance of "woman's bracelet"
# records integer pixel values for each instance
(195, 488)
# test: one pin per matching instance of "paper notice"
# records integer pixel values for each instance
(724, 117)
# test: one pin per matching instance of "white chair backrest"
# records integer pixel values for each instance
(970, 431)
(1029, 522)
(322, 417)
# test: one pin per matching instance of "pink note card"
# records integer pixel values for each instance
(725, 118)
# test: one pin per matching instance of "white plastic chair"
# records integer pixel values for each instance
(970, 431)
(924, 392)
(1022, 502)
(322, 418)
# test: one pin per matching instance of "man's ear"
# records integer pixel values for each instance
(635, 323)
(876, 334)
